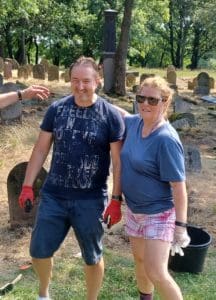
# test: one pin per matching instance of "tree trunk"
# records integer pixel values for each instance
(37, 51)
(8, 40)
(196, 47)
(171, 34)
(121, 52)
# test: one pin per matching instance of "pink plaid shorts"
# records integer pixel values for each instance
(155, 227)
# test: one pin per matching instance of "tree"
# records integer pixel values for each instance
(122, 49)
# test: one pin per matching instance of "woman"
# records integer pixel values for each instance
(153, 183)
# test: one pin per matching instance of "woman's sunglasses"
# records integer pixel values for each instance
(150, 100)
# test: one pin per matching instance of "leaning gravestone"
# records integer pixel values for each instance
(14, 111)
(38, 72)
(203, 84)
(18, 217)
(53, 73)
(181, 106)
(7, 70)
(192, 159)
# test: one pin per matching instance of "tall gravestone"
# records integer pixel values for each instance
(109, 49)
(7, 70)
(1, 80)
(53, 73)
(23, 72)
(203, 84)
(192, 159)
(18, 217)
(14, 111)
(38, 72)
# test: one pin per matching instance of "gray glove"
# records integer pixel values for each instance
(181, 240)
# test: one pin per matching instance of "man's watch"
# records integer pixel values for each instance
(117, 197)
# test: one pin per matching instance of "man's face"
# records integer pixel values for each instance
(84, 82)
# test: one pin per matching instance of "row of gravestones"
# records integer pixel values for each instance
(37, 71)
(201, 85)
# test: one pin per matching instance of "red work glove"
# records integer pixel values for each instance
(112, 214)
(26, 198)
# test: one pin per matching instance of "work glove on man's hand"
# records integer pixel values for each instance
(112, 214)
(181, 240)
(26, 198)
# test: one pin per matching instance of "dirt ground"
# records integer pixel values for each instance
(16, 143)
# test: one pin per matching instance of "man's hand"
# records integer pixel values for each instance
(35, 91)
(181, 240)
(112, 214)
(26, 198)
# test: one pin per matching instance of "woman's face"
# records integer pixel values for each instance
(150, 113)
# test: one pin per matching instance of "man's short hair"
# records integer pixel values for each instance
(84, 61)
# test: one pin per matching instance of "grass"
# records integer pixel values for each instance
(119, 282)
(181, 73)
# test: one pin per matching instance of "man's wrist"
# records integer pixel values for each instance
(19, 95)
(117, 197)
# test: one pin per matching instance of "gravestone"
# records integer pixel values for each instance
(44, 62)
(1, 64)
(18, 217)
(171, 78)
(192, 159)
(13, 112)
(144, 76)
(7, 70)
(1, 80)
(23, 72)
(53, 73)
(14, 62)
(212, 83)
(65, 75)
(170, 68)
(38, 72)
(181, 124)
(135, 73)
(203, 84)
(181, 106)
(130, 80)
(29, 67)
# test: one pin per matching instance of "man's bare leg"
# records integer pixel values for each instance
(94, 277)
(43, 268)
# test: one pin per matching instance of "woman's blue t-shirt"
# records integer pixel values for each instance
(149, 165)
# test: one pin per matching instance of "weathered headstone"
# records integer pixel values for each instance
(1, 64)
(130, 80)
(23, 72)
(18, 217)
(181, 106)
(181, 124)
(7, 70)
(171, 77)
(144, 76)
(212, 83)
(170, 68)
(14, 63)
(53, 73)
(203, 84)
(44, 62)
(38, 72)
(192, 158)
(14, 111)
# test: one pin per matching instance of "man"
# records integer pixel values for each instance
(84, 129)
(34, 91)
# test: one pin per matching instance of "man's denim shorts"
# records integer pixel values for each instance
(54, 219)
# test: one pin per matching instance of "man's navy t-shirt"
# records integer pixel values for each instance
(81, 150)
